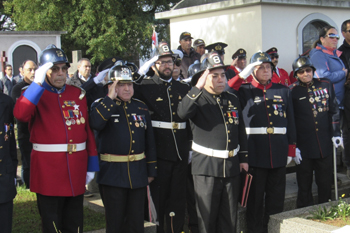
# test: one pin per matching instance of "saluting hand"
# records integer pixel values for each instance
(249, 70)
(112, 92)
(40, 74)
(201, 81)
(234, 62)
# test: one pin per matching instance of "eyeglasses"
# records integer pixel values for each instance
(274, 56)
(56, 69)
(162, 63)
(307, 70)
(333, 36)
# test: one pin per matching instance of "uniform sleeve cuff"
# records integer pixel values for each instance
(291, 150)
(93, 165)
(34, 93)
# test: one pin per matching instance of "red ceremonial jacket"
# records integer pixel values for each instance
(53, 117)
(283, 78)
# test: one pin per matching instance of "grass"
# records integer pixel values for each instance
(26, 217)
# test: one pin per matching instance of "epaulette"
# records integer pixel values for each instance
(183, 82)
(98, 100)
(232, 94)
(82, 93)
(138, 100)
(25, 88)
(148, 77)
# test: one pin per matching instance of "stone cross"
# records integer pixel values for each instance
(76, 56)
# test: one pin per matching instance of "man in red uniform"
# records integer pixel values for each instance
(239, 62)
(279, 75)
(64, 147)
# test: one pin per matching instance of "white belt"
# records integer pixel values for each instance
(168, 125)
(224, 154)
(59, 147)
(266, 130)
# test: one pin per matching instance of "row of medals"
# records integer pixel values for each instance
(279, 110)
(138, 118)
(70, 118)
(232, 119)
(321, 97)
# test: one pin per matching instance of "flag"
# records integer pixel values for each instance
(154, 39)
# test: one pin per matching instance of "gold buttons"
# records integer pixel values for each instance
(128, 115)
(0, 132)
(130, 123)
(60, 96)
(0, 147)
(316, 122)
(169, 89)
(171, 96)
(193, 95)
(267, 99)
(105, 106)
(132, 151)
(172, 104)
(126, 107)
(271, 123)
(246, 155)
(0, 174)
(108, 110)
(63, 106)
(174, 130)
(229, 140)
(228, 131)
(111, 105)
(269, 114)
(69, 128)
(132, 131)
(0, 160)
(70, 153)
(70, 140)
(133, 141)
(166, 84)
(316, 129)
(226, 123)
(268, 106)
(173, 113)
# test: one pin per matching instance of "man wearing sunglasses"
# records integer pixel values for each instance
(64, 156)
(162, 94)
(316, 116)
(279, 75)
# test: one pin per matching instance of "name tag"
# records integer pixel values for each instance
(302, 98)
(115, 115)
(277, 97)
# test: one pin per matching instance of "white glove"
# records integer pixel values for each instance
(337, 141)
(89, 177)
(248, 70)
(145, 67)
(289, 159)
(40, 74)
(297, 159)
(99, 78)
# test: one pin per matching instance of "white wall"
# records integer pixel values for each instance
(254, 28)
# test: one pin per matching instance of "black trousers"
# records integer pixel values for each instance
(61, 214)
(323, 177)
(6, 212)
(269, 186)
(216, 202)
(191, 202)
(169, 194)
(124, 207)
(25, 147)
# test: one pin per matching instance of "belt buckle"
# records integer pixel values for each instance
(131, 158)
(270, 130)
(71, 147)
(230, 153)
(175, 125)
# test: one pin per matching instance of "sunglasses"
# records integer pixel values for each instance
(274, 56)
(56, 69)
(307, 70)
(178, 62)
(333, 36)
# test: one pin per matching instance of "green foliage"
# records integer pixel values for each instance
(339, 210)
(26, 217)
(100, 28)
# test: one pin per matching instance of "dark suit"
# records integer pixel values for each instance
(317, 121)
(172, 144)
(8, 85)
(217, 124)
(8, 163)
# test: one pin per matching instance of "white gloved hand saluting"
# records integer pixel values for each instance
(99, 78)
(145, 67)
(249, 70)
(89, 177)
(297, 159)
(337, 141)
(40, 74)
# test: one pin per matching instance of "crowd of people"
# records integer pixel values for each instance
(176, 133)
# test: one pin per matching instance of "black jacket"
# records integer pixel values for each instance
(124, 128)
(162, 99)
(316, 116)
(345, 56)
(22, 127)
(268, 106)
(217, 123)
(8, 152)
